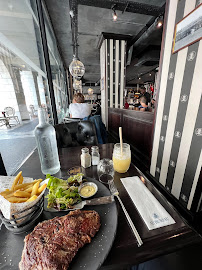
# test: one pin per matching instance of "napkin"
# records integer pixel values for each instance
(149, 208)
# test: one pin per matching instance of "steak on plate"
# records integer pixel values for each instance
(53, 243)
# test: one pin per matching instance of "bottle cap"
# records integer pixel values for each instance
(85, 150)
(94, 148)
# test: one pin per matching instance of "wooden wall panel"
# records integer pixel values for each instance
(137, 131)
(114, 119)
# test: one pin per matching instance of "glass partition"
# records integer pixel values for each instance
(57, 70)
(23, 79)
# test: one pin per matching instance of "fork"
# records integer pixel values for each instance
(114, 191)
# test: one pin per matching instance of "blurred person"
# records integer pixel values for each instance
(143, 106)
(153, 103)
(97, 107)
(126, 105)
(79, 109)
(145, 94)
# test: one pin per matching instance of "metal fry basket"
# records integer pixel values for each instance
(23, 220)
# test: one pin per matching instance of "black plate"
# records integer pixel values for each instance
(90, 257)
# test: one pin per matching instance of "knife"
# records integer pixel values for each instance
(96, 201)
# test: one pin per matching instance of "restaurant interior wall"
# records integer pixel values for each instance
(177, 155)
(113, 69)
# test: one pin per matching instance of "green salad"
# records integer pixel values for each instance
(63, 193)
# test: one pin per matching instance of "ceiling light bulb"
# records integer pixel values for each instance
(149, 74)
(114, 16)
(139, 78)
(160, 23)
(71, 13)
(90, 91)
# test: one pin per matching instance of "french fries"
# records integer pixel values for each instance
(17, 178)
(16, 200)
(26, 185)
(20, 180)
(32, 198)
(41, 188)
(35, 189)
(23, 192)
(29, 189)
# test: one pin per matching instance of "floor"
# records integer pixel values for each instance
(16, 143)
(184, 259)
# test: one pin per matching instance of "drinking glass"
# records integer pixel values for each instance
(121, 161)
(105, 170)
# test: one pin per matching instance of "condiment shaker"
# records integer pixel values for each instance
(85, 158)
(95, 155)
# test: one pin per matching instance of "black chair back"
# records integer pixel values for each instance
(75, 134)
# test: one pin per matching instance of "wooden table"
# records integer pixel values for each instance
(124, 251)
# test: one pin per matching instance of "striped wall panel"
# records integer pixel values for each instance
(176, 155)
(116, 62)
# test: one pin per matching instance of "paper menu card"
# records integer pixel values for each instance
(8, 208)
(149, 208)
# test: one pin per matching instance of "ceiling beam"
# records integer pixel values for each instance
(144, 29)
(124, 6)
(142, 74)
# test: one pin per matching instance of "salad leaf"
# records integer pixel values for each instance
(55, 182)
(75, 178)
(61, 195)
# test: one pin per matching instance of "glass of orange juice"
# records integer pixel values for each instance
(121, 161)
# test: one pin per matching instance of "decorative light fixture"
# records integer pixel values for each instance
(76, 68)
(149, 74)
(114, 15)
(77, 84)
(90, 91)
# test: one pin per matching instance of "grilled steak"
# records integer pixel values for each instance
(53, 243)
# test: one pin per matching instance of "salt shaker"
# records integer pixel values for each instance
(95, 155)
(85, 158)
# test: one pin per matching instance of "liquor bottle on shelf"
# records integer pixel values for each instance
(46, 144)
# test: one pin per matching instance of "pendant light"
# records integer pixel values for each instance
(77, 84)
(90, 91)
(76, 68)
